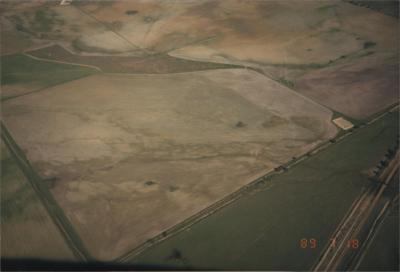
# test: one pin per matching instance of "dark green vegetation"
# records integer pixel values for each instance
(19, 24)
(131, 12)
(369, 44)
(45, 20)
(39, 24)
(383, 252)
(35, 74)
(153, 64)
(286, 82)
(262, 230)
(388, 7)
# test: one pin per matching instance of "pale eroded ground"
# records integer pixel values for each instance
(136, 154)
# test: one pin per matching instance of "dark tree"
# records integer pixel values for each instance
(383, 163)
(240, 124)
(390, 153)
(176, 254)
(131, 12)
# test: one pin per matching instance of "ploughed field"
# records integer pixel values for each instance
(133, 155)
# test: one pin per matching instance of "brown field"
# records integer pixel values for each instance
(290, 40)
(157, 64)
(27, 230)
(293, 32)
(266, 32)
(357, 89)
(135, 154)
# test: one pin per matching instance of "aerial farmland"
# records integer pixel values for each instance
(198, 134)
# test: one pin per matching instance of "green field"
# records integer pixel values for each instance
(382, 255)
(27, 230)
(262, 230)
(383, 252)
(21, 74)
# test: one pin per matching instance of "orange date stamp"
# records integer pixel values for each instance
(312, 243)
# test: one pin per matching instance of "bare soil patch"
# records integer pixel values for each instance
(358, 89)
(343, 123)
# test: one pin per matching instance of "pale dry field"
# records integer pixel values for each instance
(136, 154)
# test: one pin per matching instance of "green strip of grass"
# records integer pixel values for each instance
(288, 83)
(261, 231)
(20, 69)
